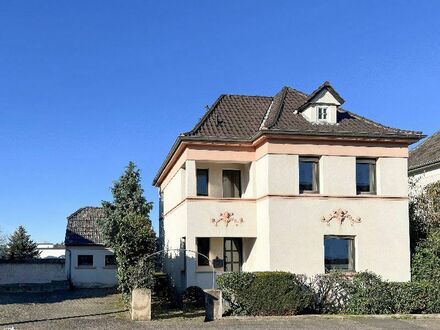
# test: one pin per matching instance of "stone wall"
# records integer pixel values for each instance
(35, 271)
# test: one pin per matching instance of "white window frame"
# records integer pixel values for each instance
(324, 112)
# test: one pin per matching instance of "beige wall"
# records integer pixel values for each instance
(392, 177)
(174, 191)
(382, 238)
(338, 175)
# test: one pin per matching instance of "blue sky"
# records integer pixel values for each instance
(87, 86)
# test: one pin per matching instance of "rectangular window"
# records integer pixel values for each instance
(339, 253)
(85, 260)
(322, 113)
(110, 260)
(202, 182)
(231, 183)
(365, 176)
(203, 248)
(308, 175)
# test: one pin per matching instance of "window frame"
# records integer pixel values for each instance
(239, 182)
(207, 181)
(372, 174)
(352, 240)
(324, 112)
(202, 258)
(84, 265)
(315, 174)
(107, 264)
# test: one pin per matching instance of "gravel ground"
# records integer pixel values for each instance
(103, 309)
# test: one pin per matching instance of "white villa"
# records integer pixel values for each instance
(291, 182)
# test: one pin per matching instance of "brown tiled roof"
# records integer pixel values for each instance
(236, 116)
(425, 154)
(243, 118)
(82, 227)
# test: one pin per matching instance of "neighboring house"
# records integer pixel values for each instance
(51, 251)
(292, 183)
(88, 262)
(424, 161)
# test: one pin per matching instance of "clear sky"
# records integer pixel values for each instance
(87, 86)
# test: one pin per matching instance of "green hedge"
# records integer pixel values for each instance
(281, 293)
(265, 293)
(369, 294)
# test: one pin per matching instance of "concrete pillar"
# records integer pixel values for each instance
(213, 305)
(141, 305)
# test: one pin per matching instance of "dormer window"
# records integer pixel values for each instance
(322, 113)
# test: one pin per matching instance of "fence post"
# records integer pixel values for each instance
(141, 305)
(213, 305)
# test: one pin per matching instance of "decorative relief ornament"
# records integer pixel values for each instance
(227, 218)
(340, 215)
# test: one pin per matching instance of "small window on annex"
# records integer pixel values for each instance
(231, 183)
(365, 176)
(85, 260)
(110, 260)
(308, 175)
(203, 248)
(339, 253)
(202, 182)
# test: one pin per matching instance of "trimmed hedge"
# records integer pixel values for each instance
(265, 293)
(282, 293)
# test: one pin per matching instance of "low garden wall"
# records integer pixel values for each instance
(34, 271)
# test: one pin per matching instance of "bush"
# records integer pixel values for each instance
(330, 292)
(426, 259)
(415, 297)
(368, 294)
(193, 298)
(265, 293)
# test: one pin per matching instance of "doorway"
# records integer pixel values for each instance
(233, 254)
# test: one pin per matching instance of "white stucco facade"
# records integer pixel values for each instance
(280, 228)
(96, 275)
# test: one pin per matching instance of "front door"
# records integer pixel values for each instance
(233, 254)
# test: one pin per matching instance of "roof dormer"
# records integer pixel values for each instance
(322, 105)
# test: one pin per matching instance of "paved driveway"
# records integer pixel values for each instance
(102, 309)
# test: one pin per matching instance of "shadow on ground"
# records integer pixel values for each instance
(53, 297)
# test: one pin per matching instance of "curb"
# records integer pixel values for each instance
(337, 316)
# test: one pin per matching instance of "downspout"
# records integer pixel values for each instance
(69, 269)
